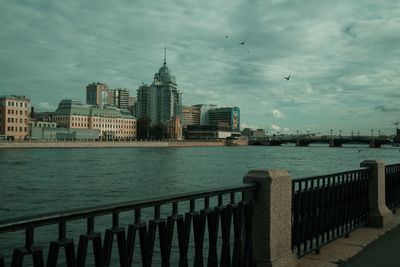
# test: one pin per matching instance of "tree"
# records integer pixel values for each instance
(159, 131)
(143, 128)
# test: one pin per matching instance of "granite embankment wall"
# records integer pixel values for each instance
(92, 144)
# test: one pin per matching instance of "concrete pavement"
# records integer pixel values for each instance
(383, 252)
(364, 247)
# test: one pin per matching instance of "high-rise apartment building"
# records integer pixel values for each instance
(190, 115)
(146, 105)
(132, 105)
(122, 99)
(161, 101)
(204, 109)
(228, 117)
(118, 97)
(14, 117)
(97, 94)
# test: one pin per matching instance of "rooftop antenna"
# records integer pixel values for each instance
(165, 55)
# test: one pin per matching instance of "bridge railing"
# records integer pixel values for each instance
(327, 207)
(392, 186)
(225, 215)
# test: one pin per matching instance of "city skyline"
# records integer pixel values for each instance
(342, 57)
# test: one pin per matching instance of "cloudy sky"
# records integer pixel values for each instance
(343, 56)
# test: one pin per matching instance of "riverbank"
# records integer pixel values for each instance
(119, 144)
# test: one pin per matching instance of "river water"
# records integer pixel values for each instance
(43, 180)
(33, 181)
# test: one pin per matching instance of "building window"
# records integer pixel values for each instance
(9, 111)
(26, 130)
(20, 129)
(20, 120)
(20, 112)
(8, 119)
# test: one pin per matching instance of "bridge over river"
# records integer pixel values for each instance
(333, 141)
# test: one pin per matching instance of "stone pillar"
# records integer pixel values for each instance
(272, 215)
(379, 214)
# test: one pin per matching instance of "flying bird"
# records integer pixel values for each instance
(242, 43)
(287, 78)
(226, 36)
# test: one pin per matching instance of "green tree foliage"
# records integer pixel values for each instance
(143, 128)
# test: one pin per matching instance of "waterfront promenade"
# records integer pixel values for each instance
(383, 252)
(111, 144)
(364, 247)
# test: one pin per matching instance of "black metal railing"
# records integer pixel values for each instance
(327, 207)
(177, 220)
(392, 186)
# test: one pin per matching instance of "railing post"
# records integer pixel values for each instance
(379, 214)
(271, 229)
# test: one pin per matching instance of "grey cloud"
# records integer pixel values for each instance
(384, 108)
(346, 53)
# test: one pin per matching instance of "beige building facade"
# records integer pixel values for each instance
(14, 117)
(112, 123)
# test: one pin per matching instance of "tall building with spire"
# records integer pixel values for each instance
(161, 101)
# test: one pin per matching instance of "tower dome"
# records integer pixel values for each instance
(164, 74)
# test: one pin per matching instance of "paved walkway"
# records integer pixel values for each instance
(364, 247)
(382, 252)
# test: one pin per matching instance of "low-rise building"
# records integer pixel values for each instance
(259, 133)
(14, 117)
(60, 134)
(111, 122)
(42, 124)
(228, 116)
(174, 128)
(207, 132)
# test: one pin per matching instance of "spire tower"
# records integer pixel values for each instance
(165, 55)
